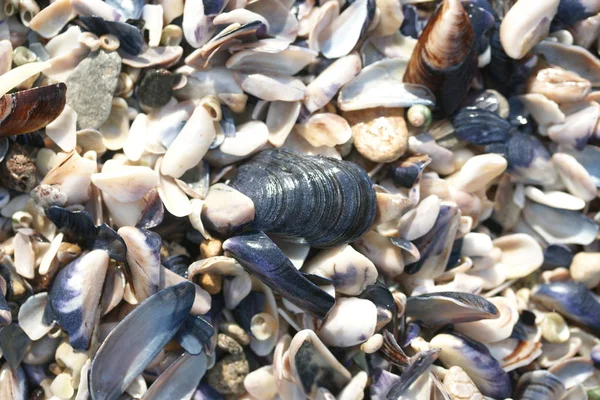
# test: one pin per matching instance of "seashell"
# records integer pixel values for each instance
(554, 353)
(14, 343)
(585, 268)
(240, 16)
(340, 37)
(437, 309)
(480, 126)
(387, 257)
(289, 61)
(277, 272)
(521, 255)
(24, 256)
(190, 145)
(560, 226)
(476, 244)
(282, 24)
(349, 271)
(249, 137)
(13, 383)
(543, 110)
(523, 27)
(442, 159)
(529, 159)
(153, 17)
(557, 84)
(434, 247)
(581, 120)
(143, 258)
(196, 26)
(390, 20)
(180, 379)
(128, 183)
(77, 226)
(326, 85)
(31, 316)
(380, 85)
(571, 12)
(226, 209)
(325, 129)
(323, 18)
(281, 118)
(159, 56)
(478, 172)
(449, 36)
(97, 8)
(419, 364)
(542, 385)
(174, 199)
(575, 176)
(572, 58)
(554, 328)
(379, 134)
(459, 385)
(194, 334)
(168, 309)
(261, 383)
(75, 305)
(52, 19)
(63, 129)
(129, 9)
(554, 199)
(574, 371)
(476, 360)
(341, 329)
(359, 197)
(493, 330)
(130, 38)
(572, 299)
(272, 87)
(313, 366)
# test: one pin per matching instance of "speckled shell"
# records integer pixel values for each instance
(322, 201)
(445, 57)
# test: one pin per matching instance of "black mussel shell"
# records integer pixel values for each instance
(480, 127)
(482, 22)
(77, 226)
(109, 240)
(251, 305)
(323, 201)
(418, 365)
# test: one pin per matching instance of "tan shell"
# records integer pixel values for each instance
(380, 134)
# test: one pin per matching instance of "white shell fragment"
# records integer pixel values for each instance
(271, 87)
(126, 183)
(521, 255)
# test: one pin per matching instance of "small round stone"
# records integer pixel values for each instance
(228, 344)
(235, 331)
(212, 283)
(380, 134)
(227, 376)
(211, 248)
(419, 116)
(585, 268)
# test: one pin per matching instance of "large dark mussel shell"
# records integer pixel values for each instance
(78, 226)
(445, 58)
(137, 339)
(261, 257)
(29, 110)
(325, 202)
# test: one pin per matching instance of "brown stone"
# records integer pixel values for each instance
(227, 376)
(18, 170)
(380, 134)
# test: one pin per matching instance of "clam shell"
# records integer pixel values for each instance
(341, 329)
(555, 199)
(575, 176)
(572, 58)
(52, 19)
(271, 87)
(560, 226)
(521, 255)
(281, 118)
(541, 385)
(127, 183)
(31, 316)
(289, 61)
(492, 330)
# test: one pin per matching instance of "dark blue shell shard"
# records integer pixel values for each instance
(109, 240)
(5, 314)
(130, 9)
(480, 127)
(540, 385)
(482, 22)
(13, 342)
(573, 300)
(454, 259)
(262, 258)
(77, 226)
(252, 304)
(178, 264)
(227, 122)
(522, 149)
(418, 365)
(411, 26)
(322, 201)
(213, 7)
(569, 13)
(130, 38)
(557, 255)
(195, 332)
(153, 213)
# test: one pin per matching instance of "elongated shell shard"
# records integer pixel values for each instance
(75, 296)
(445, 57)
(29, 110)
(137, 339)
(442, 308)
(257, 253)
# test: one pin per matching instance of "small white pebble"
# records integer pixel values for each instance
(61, 386)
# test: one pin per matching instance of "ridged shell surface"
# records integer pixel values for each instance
(322, 201)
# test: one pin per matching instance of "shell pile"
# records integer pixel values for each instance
(284, 200)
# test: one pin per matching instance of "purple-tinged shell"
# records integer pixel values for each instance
(195, 332)
(130, 9)
(441, 308)
(418, 364)
(539, 385)
(179, 380)
(480, 127)
(77, 226)
(261, 257)
(137, 339)
(130, 37)
(14, 342)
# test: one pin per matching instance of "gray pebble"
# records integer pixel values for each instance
(91, 86)
(227, 376)
(235, 331)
